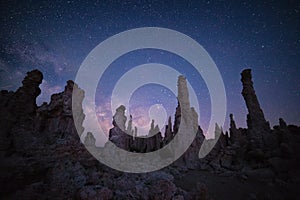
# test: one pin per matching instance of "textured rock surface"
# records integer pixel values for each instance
(185, 116)
(89, 140)
(56, 117)
(17, 113)
(257, 146)
(258, 127)
(41, 156)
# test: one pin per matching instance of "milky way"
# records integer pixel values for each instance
(55, 37)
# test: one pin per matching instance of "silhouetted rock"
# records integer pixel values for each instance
(282, 124)
(257, 146)
(155, 141)
(46, 159)
(186, 121)
(129, 130)
(89, 140)
(128, 139)
(41, 156)
(168, 132)
(258, 127)
(15, 126)
(119, 118)
(56, 117)
(119, 138)
(233, 131)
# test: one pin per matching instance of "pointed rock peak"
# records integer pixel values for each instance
(246, 75)
(154, 129)
(232, 122)
(168, 130)
(27, 93)
(135, 131)
(170, 122)
(170, 119)
(226, 133)
(248, 92)
(183, 93)
(181, 83)
(70, 84)
(282, 123)
(121, 109)
(69, 87)
(181, 78)
(33, 78)
(218, 130)
(194, 118)
(152, 124)
(89, 139)
(129, 126)
(119, 119)
(231, 117)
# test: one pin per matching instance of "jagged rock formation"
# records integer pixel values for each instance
(56, 117)
(255, 118)
(15, 125)
(155, 141)
(89, 140)
(119, 118)
(257, 150)
(186, 121)
(129, 130)
(128, 139)
(258, 128)
(41, 156)
(39, 138)
(117, 134)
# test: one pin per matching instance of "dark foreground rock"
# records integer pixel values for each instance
(42, 156)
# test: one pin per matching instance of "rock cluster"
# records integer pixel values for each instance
(41, 156)
(258, 128)
(17, 114)
(127, 139)
(257, 151)
(186, 119)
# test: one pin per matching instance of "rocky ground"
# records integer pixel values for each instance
(239, 186)
(42, 157)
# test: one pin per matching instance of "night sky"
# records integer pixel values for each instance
(56, 36)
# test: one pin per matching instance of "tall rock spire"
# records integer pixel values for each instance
(232, 123)
(168, 131)
(258, 127)
(183, 103)
(15, 109)
(89, 140)
(129, 130)
(25, 96)
(233, 131)
(119, 119)
(183, 93)
(256, 114)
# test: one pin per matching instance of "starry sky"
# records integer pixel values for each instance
(56, 36)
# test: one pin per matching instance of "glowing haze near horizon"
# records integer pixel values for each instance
(55, 37)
